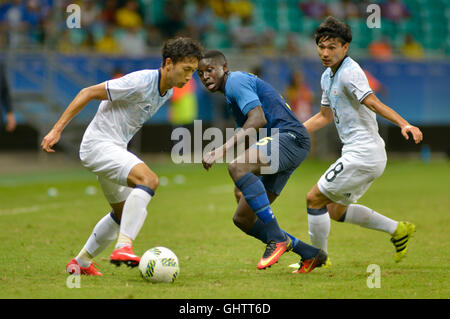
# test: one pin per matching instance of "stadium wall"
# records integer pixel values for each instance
(44, 83)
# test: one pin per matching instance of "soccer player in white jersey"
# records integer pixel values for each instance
(349, 101)
(127, 182)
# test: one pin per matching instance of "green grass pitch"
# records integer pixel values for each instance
(192, 215)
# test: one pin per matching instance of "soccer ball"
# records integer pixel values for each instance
(159, 264)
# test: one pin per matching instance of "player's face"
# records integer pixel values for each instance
(181, 72)
(211, 74)
(331, 52)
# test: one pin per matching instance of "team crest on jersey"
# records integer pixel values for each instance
(335, 92)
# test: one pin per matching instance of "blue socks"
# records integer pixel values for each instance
(266, 227)
(255, 194)
(301, 248)
(306, 251)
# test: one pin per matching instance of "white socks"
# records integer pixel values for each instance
(104, 233)
(368, 218)
(319, 229)
(134, 213)
(319, 223)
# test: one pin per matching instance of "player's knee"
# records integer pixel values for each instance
(236, 170)
(311, 198)
(149, 179)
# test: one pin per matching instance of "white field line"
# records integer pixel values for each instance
(220, 189)
(35, 208)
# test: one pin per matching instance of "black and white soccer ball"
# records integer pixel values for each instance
(159, 264)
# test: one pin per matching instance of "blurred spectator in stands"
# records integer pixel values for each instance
(33, 16)
(300, 96)
(381, 49)
(199, 18)
(128, 16)
(344, 9)
(241, 8)
(107, 43)
(292, 47)
(411, 48)
(313, 8)
(16, 28)
(154, 37)
(268, 42)
(173, 22)
(244, 35)
(183, 106)
(297, 44)
(394, 10)
(6, 108)
(108, 14)
(65, 44)
(133, 42)
(90, 14)
(220, 8)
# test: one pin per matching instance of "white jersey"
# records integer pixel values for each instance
(132, 100)
(356, 124)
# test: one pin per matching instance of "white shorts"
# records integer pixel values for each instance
(347, 179)
(112, 165)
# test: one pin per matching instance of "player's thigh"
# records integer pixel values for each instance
(347, 179)
(110, 161)
(114, 193)
(250, 161)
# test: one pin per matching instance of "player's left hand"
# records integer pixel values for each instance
(49, 140)
(415, 132)
(210, 158)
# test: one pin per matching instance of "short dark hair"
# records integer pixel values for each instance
(216, 55)
(180, 48)
(333, 28)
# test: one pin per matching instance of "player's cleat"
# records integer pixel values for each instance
(400, 238)
(124, 255)
(327, 264)
(308, 265)
(74, 268)
(273, 252)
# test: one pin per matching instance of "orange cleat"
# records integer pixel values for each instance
(308, 265)
(74, 268)
(273, 253)
(126, 256)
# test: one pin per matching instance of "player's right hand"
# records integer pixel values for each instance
(49, 140)
(415, 132)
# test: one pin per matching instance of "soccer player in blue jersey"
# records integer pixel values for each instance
(255, 104)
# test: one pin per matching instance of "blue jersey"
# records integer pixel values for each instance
(245, 91)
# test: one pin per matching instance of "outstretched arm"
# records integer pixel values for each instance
(373, 103)
(95, 92)
(321, 119)
(255, 120)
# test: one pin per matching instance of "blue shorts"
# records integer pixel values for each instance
(285, 150)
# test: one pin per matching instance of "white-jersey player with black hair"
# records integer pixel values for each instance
(348, 100)
(127, 182)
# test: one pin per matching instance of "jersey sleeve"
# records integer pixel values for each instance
(129, 86)
(356, 82)
(241, 89)
(324, 101)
